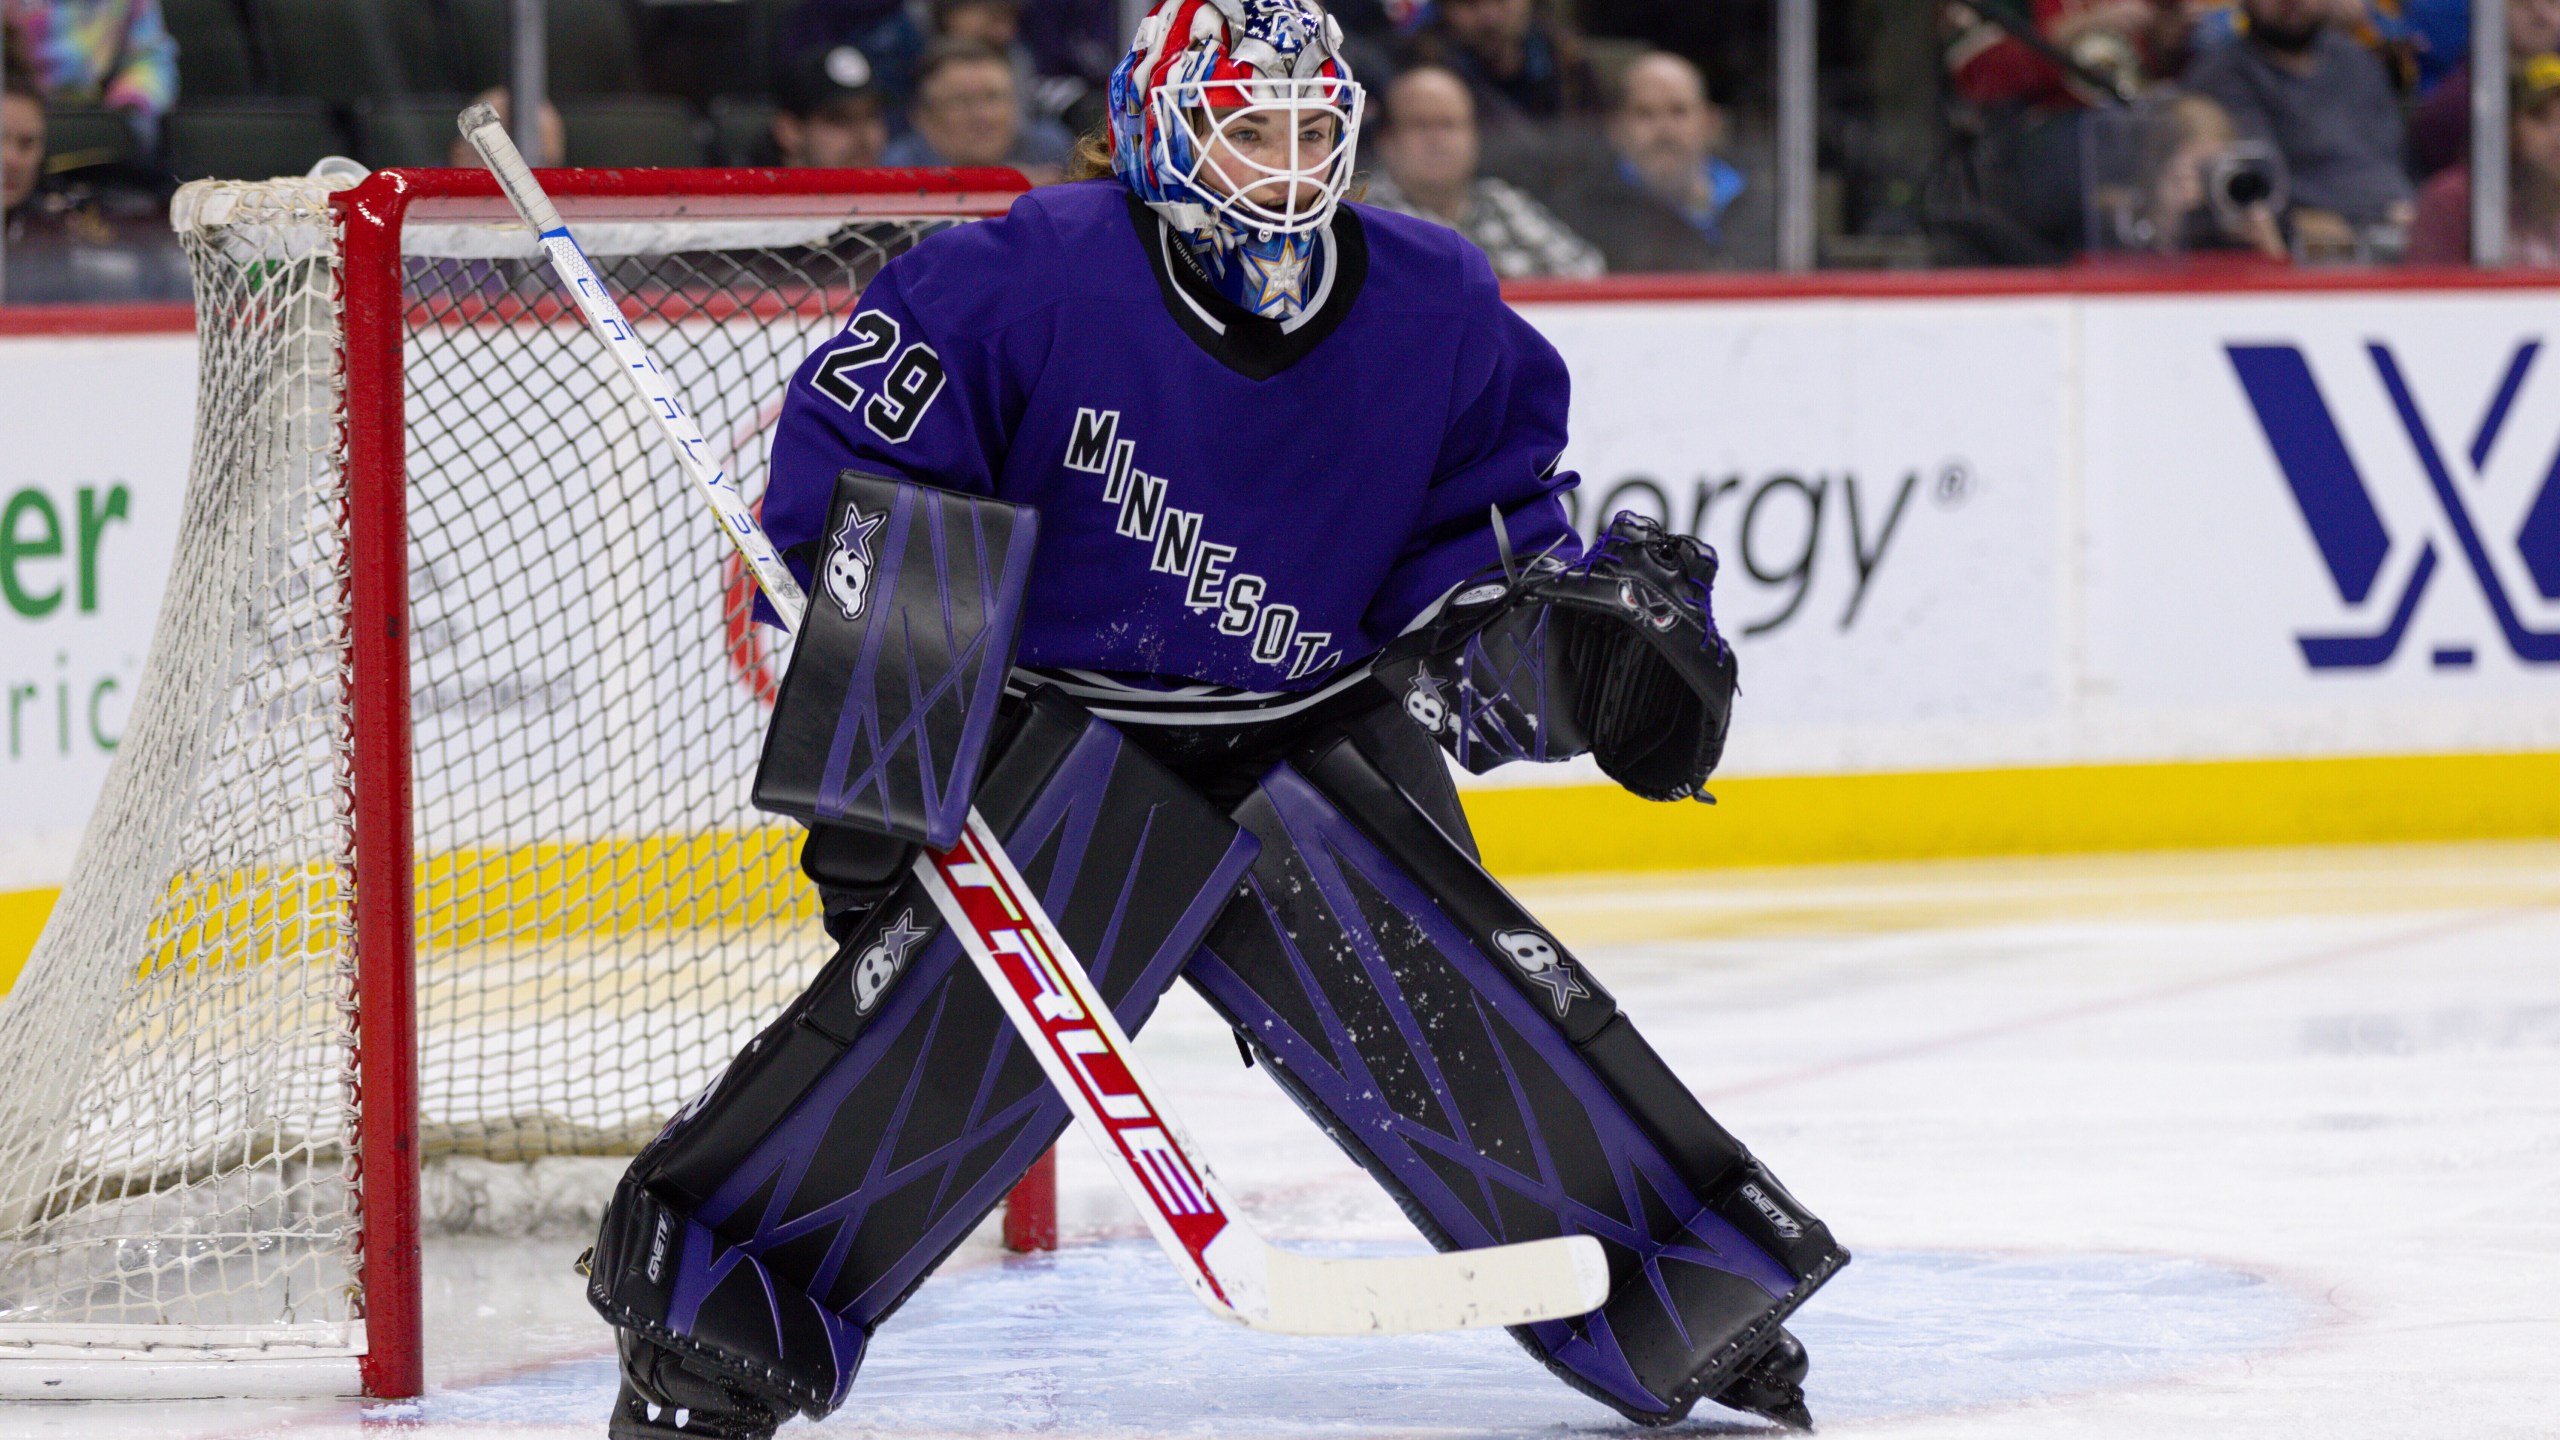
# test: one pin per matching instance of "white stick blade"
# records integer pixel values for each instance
(1457, 1290)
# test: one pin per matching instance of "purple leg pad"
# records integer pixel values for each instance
(1472, 1065)
(864, 1134)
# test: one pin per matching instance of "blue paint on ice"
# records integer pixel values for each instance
(1104, 1338)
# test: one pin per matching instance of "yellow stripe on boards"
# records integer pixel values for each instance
(613, 887)
(1818, 819)
(22, 915)
(470, 898)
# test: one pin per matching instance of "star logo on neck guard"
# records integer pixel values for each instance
(1279, 280)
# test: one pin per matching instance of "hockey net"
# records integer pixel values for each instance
(513, 799)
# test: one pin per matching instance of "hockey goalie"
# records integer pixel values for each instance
(1177, 529)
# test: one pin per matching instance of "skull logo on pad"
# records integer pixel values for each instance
(1538, 958)
(849, 562)
(880, 965)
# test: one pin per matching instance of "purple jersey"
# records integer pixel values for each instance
(1223, 499)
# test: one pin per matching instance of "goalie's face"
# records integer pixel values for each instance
(1272, 155)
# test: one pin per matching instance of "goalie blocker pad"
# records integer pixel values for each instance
(1465, 1059)
(914, 610)
(796, 1203)
(1615, 654)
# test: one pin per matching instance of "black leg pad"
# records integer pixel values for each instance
(866, 1132)
(1463, 1057)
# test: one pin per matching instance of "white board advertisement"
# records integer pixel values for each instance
(1884, 487)
(2322, 525)
(1954, 532)
(93, 467)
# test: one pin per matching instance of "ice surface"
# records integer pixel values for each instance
(1014, 1349)
(2260, 1144)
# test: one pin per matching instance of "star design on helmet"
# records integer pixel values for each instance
(1281, 24)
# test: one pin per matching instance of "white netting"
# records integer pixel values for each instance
(601, 916)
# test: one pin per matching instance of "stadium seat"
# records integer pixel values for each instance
(216, 60)
(409, 131)
(632, 130)
(587, 46)
(743, 131)
(78, 137)
(250, 141)
(342, 51)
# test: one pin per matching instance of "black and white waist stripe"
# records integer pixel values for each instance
(1123, 703)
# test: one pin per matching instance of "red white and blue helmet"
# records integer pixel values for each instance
(1200, 65)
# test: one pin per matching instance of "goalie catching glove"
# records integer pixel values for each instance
(1615, 655)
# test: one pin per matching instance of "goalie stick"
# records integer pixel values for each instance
(1053, 1005)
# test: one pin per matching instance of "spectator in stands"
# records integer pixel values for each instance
(1046, 96)
(1062, 51)
(2326, 104)
(889, 37)
(2440, 33)
(1522, 65)
(21, 137)
(70, 240)
(1666, 200)
(555, 134)
(2441, 235)
(968, 112)
(2381, 26)
(114, 53)
(2440, 124)
(996, 24)
(1426, 138)
(828, 111)
(2115, 45)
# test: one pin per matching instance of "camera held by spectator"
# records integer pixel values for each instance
(829, 111)
(2298, 83)
(2173, 177)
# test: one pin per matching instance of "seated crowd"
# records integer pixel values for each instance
(2304, 129)
(1491, 116)
(1567, 138)
(1486, 117)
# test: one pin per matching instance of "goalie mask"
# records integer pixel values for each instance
(1237, 120)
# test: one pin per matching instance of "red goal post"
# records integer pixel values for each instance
(428, 844)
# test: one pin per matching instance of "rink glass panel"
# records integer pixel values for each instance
(600, 918)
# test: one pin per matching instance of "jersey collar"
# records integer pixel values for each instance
(1235, 337)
